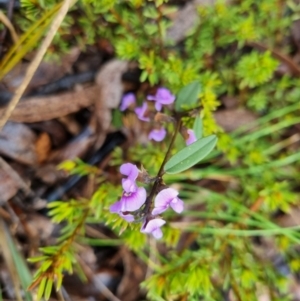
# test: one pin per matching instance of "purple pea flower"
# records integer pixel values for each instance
(127, 100)
(153, 227)
(167, 198)
(192, 137)
(133, 198)
(157, 134)
(162, 97)
(140, 112)
(130, 170)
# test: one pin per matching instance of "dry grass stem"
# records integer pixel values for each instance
(36, 61)
(9, 26)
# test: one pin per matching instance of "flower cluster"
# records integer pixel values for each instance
(134, 204)
(134, 197)
(163, 97)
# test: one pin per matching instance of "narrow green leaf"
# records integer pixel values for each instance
(45, 265)
(190, 155)
(198, 127)
(41, 288)
(21, 267)
(55, 204)
(59, 279)
(48, 289)
(187, 97)
(36, 259)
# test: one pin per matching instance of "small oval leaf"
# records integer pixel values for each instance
(188, 96)
(191, 155)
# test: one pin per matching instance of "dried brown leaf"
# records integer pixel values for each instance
(43, 147)
(17, 142)
(46, 72)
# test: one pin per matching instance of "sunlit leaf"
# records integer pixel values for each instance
(190, 155)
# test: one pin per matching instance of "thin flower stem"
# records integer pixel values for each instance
(161, 170)
(160, 173)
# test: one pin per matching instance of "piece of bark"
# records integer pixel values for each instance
(106, 94)
(46, 72)
(17, 141)
(36, 109)
(49, 174)
(109, 81)
(76, 148)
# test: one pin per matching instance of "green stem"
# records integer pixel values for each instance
(238, 232)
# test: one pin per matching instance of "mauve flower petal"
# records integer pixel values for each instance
(164, 197)
(158, 106)
(134, 201)
(177, 205)
(152, 225)
(192, 137)
(157, 233)
(130, 170)
(115, 207)
(129, 185)
(157, 135)
(164, 96)
(128, 217)
(140, 112)
(159, 210)
(127, 100)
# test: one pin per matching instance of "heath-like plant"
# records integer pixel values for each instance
(216, 240)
